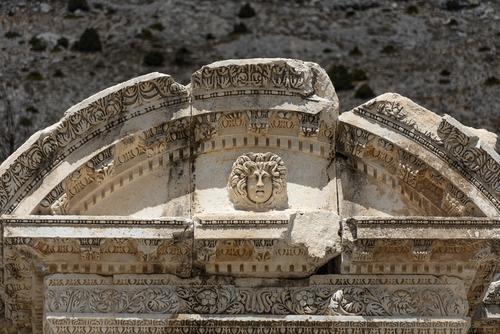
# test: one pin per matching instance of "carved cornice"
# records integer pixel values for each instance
(461, 247)
(447, 223)
(264, 76)
(84, 221)
(437, 228)
(429, 189)
(447, 139)
(169, 246)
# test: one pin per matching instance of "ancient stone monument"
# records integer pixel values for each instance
(243, 203)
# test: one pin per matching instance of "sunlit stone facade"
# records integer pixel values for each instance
(244, 203)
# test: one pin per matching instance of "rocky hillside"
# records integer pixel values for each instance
(443, 54)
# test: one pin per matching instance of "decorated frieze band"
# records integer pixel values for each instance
(256, 325)
(242, 222)
(85, 221)
(260, 76)
(69, 296)
(255, 258)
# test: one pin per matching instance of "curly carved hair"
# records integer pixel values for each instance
(244, 166)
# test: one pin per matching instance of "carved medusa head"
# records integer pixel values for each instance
(258, 182)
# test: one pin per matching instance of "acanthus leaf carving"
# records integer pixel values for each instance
(227, 299)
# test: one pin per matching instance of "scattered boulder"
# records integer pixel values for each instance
(246, 11)
(48, 39)
(74, 5)
(153, 58)
(492, 81)
(364, 92)
(89, 41)
(240, 28)
(183, 56)
(341, 78)
(45, 7)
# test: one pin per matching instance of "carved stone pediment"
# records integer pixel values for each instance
(243, 203)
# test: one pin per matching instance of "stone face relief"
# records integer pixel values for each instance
(258, 182)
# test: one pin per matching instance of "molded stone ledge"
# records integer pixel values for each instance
(40, 227)
(277, 244)
(438, 228)
(244, 225)
(202, 324)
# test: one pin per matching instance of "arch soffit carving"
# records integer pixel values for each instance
(106, 118)
(452, 166)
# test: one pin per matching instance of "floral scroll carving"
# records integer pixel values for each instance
(270, 76)
(312, 300)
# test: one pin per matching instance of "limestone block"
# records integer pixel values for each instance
(319, 232)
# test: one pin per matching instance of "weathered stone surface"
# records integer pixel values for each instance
(324, 295)
(244, 203)
(318, 231)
